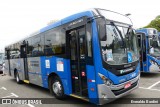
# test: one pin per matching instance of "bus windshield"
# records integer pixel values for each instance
(120, 42)
(154, 47)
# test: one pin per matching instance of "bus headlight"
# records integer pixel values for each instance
(105, 80)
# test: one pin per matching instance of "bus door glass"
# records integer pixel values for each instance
(77, 46)
(24, 56)
(142, 47)
(140, 42)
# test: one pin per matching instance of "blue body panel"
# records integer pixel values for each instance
(64, 75)
(67, 20)
(92, 84)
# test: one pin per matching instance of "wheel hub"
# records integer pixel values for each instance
(57, 88)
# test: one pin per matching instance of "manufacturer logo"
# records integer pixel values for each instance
(126, 70)
(76, 22)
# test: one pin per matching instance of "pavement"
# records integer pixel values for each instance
(149, 87)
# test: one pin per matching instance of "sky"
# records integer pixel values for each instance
(19, 18)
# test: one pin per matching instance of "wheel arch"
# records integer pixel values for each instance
(52, 75)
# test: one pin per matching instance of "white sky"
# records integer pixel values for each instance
(19, 18)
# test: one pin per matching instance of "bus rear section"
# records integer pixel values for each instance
(91, 55)
(149, 44)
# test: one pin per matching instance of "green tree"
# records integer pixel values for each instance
(154, 23)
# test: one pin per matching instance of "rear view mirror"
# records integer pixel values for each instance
(101, 26)
(102, 29)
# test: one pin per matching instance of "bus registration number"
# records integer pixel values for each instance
(127, 85)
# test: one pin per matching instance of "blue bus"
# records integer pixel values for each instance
(92, 55)
(149, 44)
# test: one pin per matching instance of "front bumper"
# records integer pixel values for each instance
(110, 93)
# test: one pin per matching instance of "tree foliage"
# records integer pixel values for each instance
(154, 23)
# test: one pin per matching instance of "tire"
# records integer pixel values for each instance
(56, 88)
(17, 78)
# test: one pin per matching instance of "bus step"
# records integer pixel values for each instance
(26, 81)
(80, 97)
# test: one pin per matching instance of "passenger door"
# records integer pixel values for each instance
(24, 56)
(142, 51)
(77, 54)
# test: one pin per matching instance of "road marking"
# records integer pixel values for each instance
(12, 94)
(30, 105)
(3, 88)
(149, 89)
(153, 85)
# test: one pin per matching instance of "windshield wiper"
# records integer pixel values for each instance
(120, 35)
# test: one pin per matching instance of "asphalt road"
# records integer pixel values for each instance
(149, 88)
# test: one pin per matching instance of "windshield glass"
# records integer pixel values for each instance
(154, 46)
(120, 46)
(110, 15)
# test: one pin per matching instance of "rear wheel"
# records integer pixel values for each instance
(17, 78)
(56, 88)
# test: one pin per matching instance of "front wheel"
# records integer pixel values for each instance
(18, 79)
(56, 88)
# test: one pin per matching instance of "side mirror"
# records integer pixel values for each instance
(101, 26)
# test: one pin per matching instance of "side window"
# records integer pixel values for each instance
(54, 42)
(139, 37)
(37, 46)
(29, 47)
(11, 52)
(82, 35)
(7, 53)
(144, 45)
(15, 51)
(89, 40)
(144, 49)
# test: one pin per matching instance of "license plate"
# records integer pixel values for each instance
(127, 85)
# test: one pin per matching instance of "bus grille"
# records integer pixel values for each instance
(118, 92)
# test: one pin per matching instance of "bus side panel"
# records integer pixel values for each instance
(34, 70)
(61, 67)
(92, 87)
(17, 64)
(6, 67)
(152, 64)
(44, 74)
(12, 67)
(20, 68)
